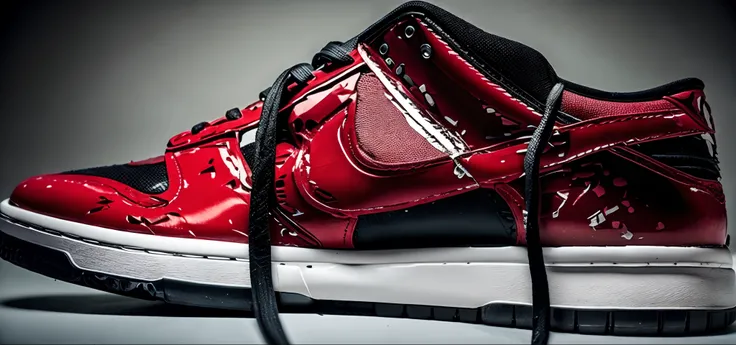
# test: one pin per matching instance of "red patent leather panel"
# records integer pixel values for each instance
(207, 197)
(330, 180)
(608, 200)
(505, 162)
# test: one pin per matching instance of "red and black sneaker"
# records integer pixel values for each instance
(422, 169)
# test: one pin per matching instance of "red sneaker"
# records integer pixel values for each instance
(417, 170)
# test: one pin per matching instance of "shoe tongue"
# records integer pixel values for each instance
(249, 153)
(517, 64)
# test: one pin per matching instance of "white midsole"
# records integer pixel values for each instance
(561, 256)
(665, 278)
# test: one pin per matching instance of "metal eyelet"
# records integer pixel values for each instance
(400, 70)
(426, 50)
(409, 31)
(383, 49)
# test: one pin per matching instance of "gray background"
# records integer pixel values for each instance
(95, 83)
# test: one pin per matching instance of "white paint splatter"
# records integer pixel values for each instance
(581, 194)
(564, 196)
(459, 171)
(236, 167)
(291, 233)
(627, 235)
(611, 210)
(596, 219)
(240, 232)
(160, 185)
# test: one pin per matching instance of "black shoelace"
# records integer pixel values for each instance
(265, 307)
(540, 288)
(334, 54)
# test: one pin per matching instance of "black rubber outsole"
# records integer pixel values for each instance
(55, 264)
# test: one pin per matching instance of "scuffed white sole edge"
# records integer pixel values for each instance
(463, 281)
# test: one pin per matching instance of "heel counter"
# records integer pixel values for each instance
(621, 198)
(695, 104)
(665, 191)
(693, 161)
(698, 153)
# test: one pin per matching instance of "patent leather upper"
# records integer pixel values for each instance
(597, 189)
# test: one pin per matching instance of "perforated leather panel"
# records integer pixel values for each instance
(382, 131)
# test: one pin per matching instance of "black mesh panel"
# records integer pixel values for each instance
(687, 154)
(249, 153)
(149, 178)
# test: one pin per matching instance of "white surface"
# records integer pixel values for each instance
(452, 277)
